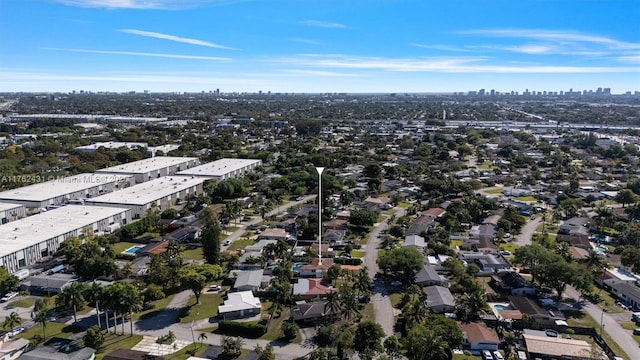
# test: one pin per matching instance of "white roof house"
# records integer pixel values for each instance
(152, 168)
(23, 242)
(59, 191)
(240, 304)
(111, 145)
(160, 193)
(223, 169)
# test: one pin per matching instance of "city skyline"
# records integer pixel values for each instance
(318, 46)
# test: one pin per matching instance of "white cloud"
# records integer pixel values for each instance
(317, 73)
(174, 38)
(306, 41)
(555, 36)
(441, 47)
(437, 64)
(323, 24)
(133, 53)
(145, 4)
(635, 58)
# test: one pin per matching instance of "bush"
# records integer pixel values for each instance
(154, 292)
(289, 330)
(246, 329)
(347, 261)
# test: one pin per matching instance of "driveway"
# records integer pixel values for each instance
(526, 234)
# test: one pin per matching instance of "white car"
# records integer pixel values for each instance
(215, 288)
(227, 242)
(497, 355)
(15, 331)
(8, 296)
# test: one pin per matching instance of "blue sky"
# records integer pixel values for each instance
(298, 46)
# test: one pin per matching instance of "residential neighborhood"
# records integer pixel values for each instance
(480, 234)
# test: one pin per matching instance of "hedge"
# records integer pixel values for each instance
(347, 261)
(246, 329)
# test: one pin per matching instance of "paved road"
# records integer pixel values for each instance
(382, 308)
(526, 234)
(621, 336)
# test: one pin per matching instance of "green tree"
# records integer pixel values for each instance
(403, 263)
(626, 196)
(195, 276)
(423, 343)
(202, 337)
(470, 305)
(12, 320)
(362, 217)
(93, 295)
(72, 298)
(366, 340)
(266, 353)
(289, 330)
(8, 282)
(40, 314)
(94, 338)
(210, 239)
(333, 306)
(631, 258)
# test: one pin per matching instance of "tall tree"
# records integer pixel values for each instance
(93, 294)
(210, 239)
(40, 314)
(366, 340)
(72, 298)
(12, 320)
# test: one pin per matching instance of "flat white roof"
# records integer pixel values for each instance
(219, 167)
(4, 206)
(149, 191)
(60, 187)
(21, 234)
(147, 165)
(112, 145)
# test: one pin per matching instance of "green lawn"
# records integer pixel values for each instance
(466, 357)
(240, 244)
(183, 355)
(357, 253)
(207, 308)
(404, 205)
(52, 329)
(630, 325)
(606, 301)
(118, 248)
(367, 313)
(194, 254)
(158, 306)
(115, 342)
(455, 243)
(395, 299)
(509, 247)
(22, 303)
(274, 328)
(526, 198)
(494, 191)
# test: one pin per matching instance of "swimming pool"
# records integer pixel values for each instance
(501, 307)
(296, 267)
(133, 250)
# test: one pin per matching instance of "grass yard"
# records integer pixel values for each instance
(509, 247)
(404, 204)
(484, 281)
(118, 248)
(395, 299)
(207, 308)
(455, 243)
(630, 326)
(274, 328)
(240, 244)
(367, 313)
(52, 329)
(115, 342)
(158, 306)
(526, 198)
(183, 353)
(493, 191)
(606, 301)
(357, 253)
(194, 254)
(466, 357)
(22, 303)
(579, 318)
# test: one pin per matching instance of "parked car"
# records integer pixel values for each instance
(497, 355)
(505, 253)
(396, 283)
(227, 242)
(636, 331)
(215, 288)
(15, 331)
(8, 296)
(486, 355)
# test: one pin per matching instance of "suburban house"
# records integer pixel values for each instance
(629, 293)
(308, 312)
(240, 305)
(420, 225)
(414, 241)
(544, 347)
(250, 280)
(60, 349)
(428, 276)
(439, 299)
(311, 288)
(250, 260)
(435, 213)
(315, 269)
(273, 234)
(259, 246)
(477, 337)
(528, 307)
(487, 262)
(513, 282)
(575, 231)
(334, 236)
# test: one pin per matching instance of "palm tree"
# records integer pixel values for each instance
(92, 295)
(349, 304)
(202, 337)
(131, 301)
(595, 263)
(332, 307)
(72, 297)
(414, 313)
(12, 320)
(428, 346)
(471, 304)
(39, 315)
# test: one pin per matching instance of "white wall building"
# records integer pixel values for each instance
(24, 242)
(60, 191)
(11, 212)
(159, 194)
(111, 145)
(152, 168)
(223, 169)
